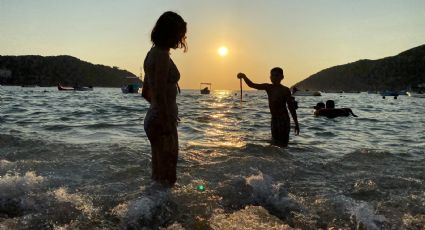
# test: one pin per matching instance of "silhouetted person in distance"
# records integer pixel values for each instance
(160, 90)
(330, 111)
(318, 108)
(279, 96)
(319, 105)
(330, 104)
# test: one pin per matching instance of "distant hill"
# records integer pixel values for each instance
(51, 70)
(402, 71)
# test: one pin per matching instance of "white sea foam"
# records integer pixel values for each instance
(174, 226)
(141, 210)
(365, 215)
(360, 212)
(17, 185)
(80, 202)
(413, 222)
(364, 185)
(5, 163)
(262, 185)
(251, 217)
(18, 192)
(272, 194)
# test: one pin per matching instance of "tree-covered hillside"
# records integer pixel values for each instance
(402, 71)
(51, 70)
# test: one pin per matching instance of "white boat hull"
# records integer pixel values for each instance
(420, 95)
(307, 93)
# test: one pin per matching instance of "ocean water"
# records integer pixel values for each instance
(82, 160)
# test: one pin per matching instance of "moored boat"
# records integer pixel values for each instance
(297, 92)
(131, 85)
(205, 90)
(307, 93)
(130, 88)
(389, 93)
(61, 88)
(416, 94)
(75, 88)
(417, 91)
(83, 88)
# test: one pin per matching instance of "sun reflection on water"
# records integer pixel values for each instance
(221, 94)
(220, 127)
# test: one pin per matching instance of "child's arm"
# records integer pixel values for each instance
(291, 107)
(252, 84)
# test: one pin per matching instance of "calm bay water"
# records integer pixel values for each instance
(82, 160)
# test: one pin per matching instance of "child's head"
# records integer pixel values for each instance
(276, 75)
(319, 105)
(330, 104)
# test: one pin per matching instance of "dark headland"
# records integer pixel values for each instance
(66, 70)
(399, 72)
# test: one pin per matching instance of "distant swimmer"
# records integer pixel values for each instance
(279, 96)
(330, 111)
(319, 106)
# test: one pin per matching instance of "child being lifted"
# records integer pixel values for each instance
(279, 96)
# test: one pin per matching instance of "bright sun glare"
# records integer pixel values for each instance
(222, 51)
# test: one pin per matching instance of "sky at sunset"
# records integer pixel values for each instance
(303, 37)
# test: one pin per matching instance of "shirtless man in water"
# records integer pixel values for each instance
(279, 96)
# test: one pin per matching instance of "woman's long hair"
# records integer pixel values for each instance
(170, 31)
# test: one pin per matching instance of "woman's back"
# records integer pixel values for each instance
(173, 75)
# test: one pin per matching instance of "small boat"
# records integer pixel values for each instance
(83, 88)
(417, 91)
(307, 93)
(207, 89)
(130, 88)
(131, 85)
(389, 93)
(75, 88)
(297, 92)
(416, 94)
(61, 88)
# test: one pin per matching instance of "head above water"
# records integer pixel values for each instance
(276, 75)
(330, 104)
(319, 105)
(169, 31)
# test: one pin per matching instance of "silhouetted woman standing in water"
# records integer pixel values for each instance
(160, 88)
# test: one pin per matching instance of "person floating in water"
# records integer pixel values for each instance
(160, 90)
(330, 111)
(279, 96)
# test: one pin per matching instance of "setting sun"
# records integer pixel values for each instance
(223, 51)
